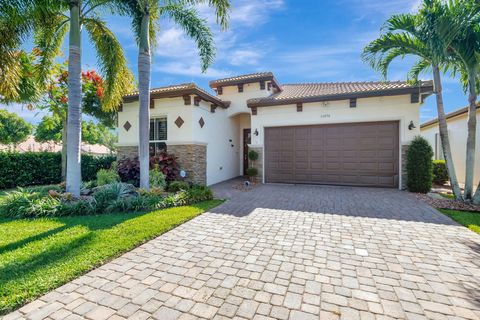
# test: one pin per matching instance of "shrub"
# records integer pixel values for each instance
(105, 176)
(252, 155)
(419, 166)
(82, 207)
(176, 186)
(41, 168)
(199, 193)
(129, 169)
(27, 204)
(440, 172)
(106, 195)
(157, 179)
(252, 172)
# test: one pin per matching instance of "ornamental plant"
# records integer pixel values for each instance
(419, 166)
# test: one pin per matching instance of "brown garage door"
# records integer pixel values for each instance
(359, 154)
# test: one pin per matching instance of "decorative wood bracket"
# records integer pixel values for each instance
(212, 108)
(299, 107)
(219, 90)
(240, 87)
(187, 100)
(262, 85)
(120, 107)
(269, 86)
(353, 103)
(254, 111)
(196, 100)
(152, 104)
(415, 98)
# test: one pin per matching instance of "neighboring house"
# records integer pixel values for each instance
(457, 132)
(318, 133)
(30, 145)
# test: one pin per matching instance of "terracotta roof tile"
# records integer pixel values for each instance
(184, 88)
(305, 91)
(245, 78)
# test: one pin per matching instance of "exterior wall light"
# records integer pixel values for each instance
(255, 132)
(411, 126)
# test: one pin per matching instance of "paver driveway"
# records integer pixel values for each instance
(289, 252)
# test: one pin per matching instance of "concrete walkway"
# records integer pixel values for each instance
(288, 252)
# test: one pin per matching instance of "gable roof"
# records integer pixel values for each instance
(246, 78)
(179, 90)
(449, 115)
(314, 92)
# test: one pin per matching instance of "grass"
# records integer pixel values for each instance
(471, 220)
(38, 255)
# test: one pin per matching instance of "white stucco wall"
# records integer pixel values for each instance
(367, 110)
(219, 129)
(239, 99)
(457, 132)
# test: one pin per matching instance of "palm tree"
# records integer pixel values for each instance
(145, 18)
(50, 21)
(419, 35)
(464, 52)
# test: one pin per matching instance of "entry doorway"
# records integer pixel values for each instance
(247, 139)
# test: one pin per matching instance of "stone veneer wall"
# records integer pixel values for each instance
(404, 166)
(258, 163)
(127, 152)
(193, 159)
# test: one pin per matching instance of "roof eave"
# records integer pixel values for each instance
(448, 116)
(180, 93)
(424, 90)
(214, 84)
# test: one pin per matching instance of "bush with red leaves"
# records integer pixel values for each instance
(129, 169)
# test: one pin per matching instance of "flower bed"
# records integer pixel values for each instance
(110, 198)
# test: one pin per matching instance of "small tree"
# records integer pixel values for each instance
(419, 166)
(13, 129)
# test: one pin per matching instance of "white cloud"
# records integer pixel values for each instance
(189, 69)
(245, 57)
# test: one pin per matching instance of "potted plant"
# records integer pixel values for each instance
(252, 173)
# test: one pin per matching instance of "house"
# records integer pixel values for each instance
(349, 133)
(457, 132)
(31, 145)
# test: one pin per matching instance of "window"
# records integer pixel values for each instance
(158, 134)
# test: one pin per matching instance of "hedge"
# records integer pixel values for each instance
(440, 173)
(39, 168)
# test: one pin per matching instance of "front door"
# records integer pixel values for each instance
(247, 139)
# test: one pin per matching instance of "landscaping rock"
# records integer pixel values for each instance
(444, 203)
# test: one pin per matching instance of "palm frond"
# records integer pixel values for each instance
(196, 28)
(222, 9)
(401, 22)
(112, 61)
(421, 66)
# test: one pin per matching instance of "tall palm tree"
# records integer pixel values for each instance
(419, 35)
(50, 21)
(464, 52)
(145, 22)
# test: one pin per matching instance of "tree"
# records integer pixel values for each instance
(422, 35)
(13, 129)
(48, 22)
(145, 18)
(464, 53)
(54, 127)
(419, 166)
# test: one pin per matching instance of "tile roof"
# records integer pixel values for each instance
(449, 115)
(178, 90)
(310, 92)
(246, 78)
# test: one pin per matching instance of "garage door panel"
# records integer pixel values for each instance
(344, 154)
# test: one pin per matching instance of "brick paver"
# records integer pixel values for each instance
(288, 252)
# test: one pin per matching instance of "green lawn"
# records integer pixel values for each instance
(471, 220)
(39, 255)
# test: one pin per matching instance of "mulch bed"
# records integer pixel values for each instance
(447, 203)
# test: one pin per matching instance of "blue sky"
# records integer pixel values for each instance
(298, 40)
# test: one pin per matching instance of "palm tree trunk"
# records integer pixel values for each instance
(64, 149)
(443, 130)
(74, 113)
(471, 136)
(144, 101)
